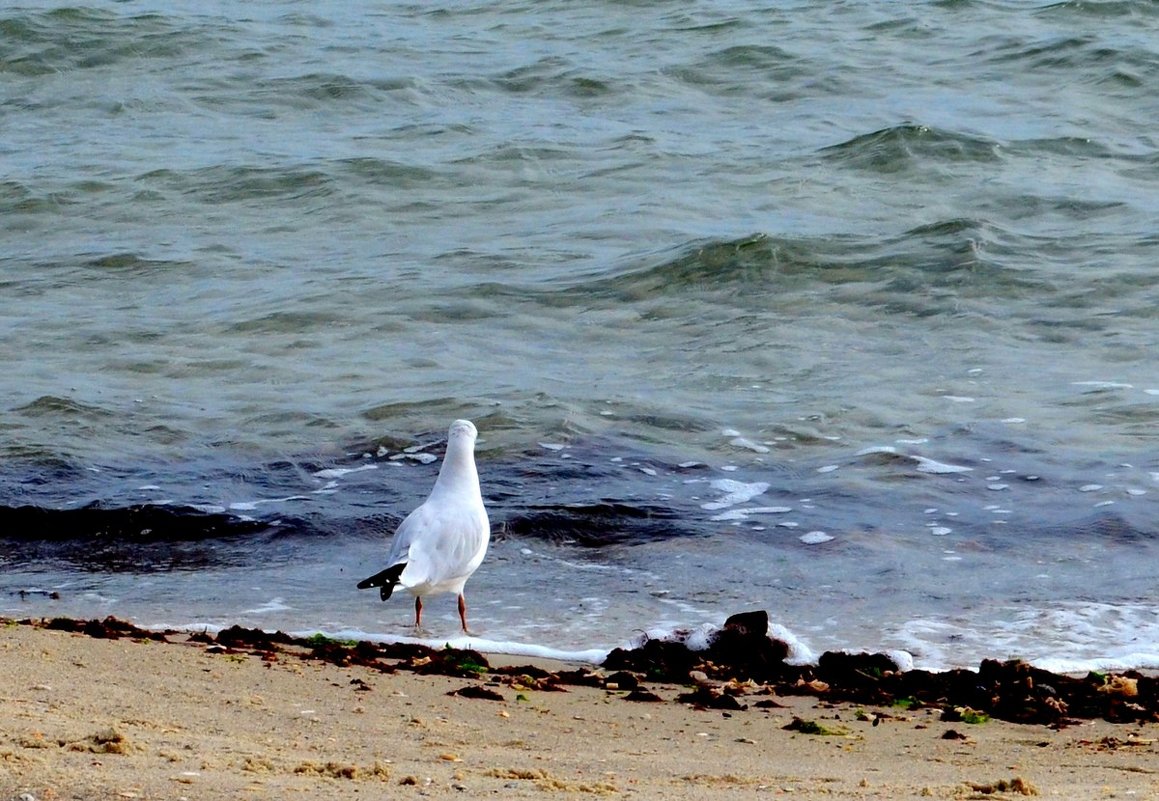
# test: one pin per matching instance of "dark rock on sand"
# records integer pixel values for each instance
(476, 691)
(707, 698)
(741, 650)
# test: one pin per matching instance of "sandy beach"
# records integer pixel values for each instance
(91, 718)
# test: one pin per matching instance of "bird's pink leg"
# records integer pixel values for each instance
(463, 612)
(418, 612)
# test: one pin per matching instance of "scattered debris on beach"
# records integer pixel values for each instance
(741, 666)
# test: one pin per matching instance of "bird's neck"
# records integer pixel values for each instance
(458, 473)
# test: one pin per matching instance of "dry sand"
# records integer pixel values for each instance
(84, 718)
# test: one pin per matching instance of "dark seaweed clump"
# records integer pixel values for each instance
(1008, 690)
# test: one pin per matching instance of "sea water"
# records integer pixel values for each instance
(843, 311)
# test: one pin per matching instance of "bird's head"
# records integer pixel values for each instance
(463, 430)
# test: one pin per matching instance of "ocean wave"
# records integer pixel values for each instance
(17, 198)
(64, 408)
(330, 92)
(970, 257)
(599, 525)
(145, 523)
(242, 183)
(759, 70)
(910, 147)
(137, 539)
(555, 76)
(44, 43)
(1084, 10)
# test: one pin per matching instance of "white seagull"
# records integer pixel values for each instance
(441, 543)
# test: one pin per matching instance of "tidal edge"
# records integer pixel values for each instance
(742, 667)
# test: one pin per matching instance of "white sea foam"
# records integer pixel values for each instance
(590, 656)
(924, 464)
(338, 472)
(1102, 384)
(273, 605)
(735, 492)
(1072, 636)
(815, 538)
(872, 449)
(1093, 636)
(699, 638)
(930, 466)
(209, 508)
(903, 659)
(249, 506)
(745, 442)
(731, 514)
(741, 514)
(799, 652)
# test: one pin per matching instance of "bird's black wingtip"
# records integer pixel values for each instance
(384, 579)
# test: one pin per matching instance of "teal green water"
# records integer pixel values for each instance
(277, 229)
(725, 233)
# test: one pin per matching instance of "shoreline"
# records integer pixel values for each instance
(155, 715)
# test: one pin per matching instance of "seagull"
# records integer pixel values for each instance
(441, 543)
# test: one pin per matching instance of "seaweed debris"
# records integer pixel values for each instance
(740, 660)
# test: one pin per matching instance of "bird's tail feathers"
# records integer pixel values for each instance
(386, 580)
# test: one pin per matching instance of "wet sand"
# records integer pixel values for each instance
(85, 718)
